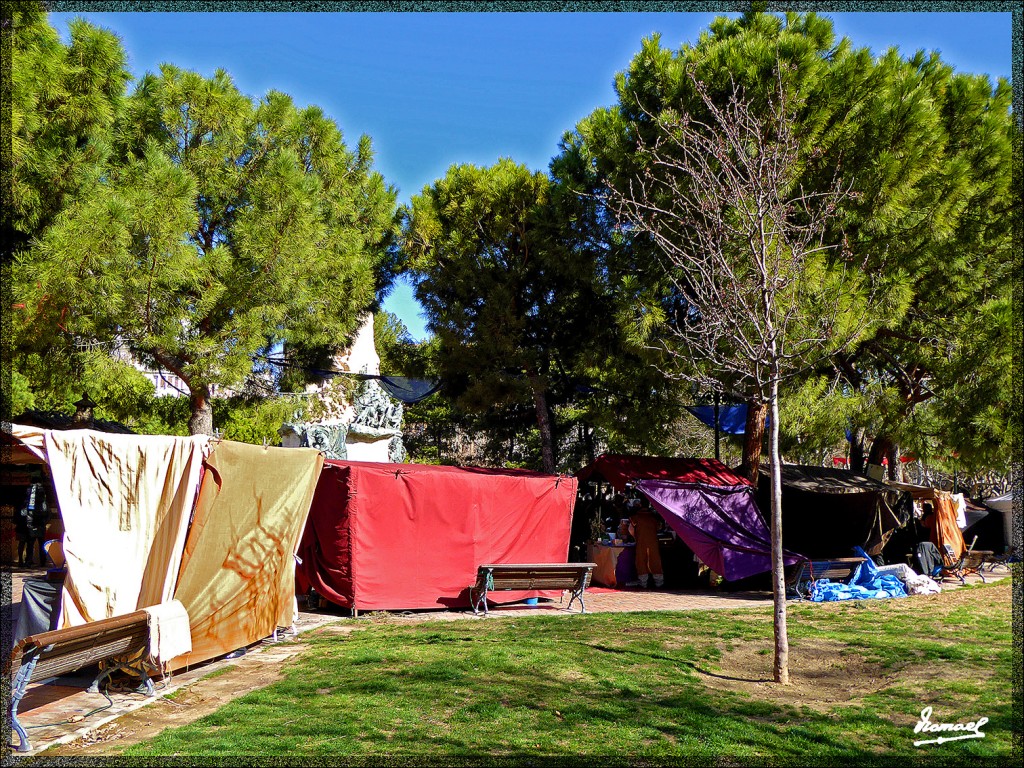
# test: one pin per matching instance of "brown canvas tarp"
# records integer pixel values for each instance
(826, 512)
(237, 578)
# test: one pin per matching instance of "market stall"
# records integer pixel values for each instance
(409, 536)
(708, 513)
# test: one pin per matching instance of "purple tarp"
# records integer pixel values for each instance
(721, 524)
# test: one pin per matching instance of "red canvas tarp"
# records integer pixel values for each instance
(619, 469)
(406, 536)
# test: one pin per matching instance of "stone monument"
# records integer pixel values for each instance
(361, 423)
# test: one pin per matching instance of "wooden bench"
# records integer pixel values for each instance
(837, 569)
(994, 560)
(48, 654)
(499, 577)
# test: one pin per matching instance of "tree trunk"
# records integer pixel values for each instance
(201, 420)
(753, 437)
(588, 442)
(778, 572)
(547, 442)
(880, 448)
(895, 468)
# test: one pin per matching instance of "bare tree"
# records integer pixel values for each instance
(758, 294)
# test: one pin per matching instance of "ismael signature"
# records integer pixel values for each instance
(970, 730)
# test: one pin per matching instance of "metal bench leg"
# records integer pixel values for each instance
(148, 682)
(17, 692)
(94, 687)
(577, 594)
(480, 599)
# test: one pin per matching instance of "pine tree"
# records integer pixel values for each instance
(220, 227)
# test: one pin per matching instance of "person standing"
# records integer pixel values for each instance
(644, 524)
(21, 529)
(36, 515)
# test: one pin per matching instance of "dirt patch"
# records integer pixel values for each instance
(824, 673)
(821, 675)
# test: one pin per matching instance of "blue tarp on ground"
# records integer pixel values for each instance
(867, 583)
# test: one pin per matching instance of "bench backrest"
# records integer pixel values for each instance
(535, 576)
(836, 569)
(66, 650)
(976, 558)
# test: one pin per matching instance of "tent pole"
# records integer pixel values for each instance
(717, 454)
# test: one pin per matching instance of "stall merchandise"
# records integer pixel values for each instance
(711, 508)
(615, 564)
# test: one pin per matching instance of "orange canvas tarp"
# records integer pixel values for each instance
(945, 530)
(237, 578)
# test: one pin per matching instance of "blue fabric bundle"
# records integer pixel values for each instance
(867, 583)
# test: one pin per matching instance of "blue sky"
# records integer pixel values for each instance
(433, 89)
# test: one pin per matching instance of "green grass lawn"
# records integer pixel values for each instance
(645, 688)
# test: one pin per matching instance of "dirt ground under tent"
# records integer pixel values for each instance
(53, 711)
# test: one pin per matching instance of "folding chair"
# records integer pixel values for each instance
(958, 567)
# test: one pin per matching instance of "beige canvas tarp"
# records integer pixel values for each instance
(237, 578)
(125, 501)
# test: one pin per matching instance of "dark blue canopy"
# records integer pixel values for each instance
(409, 390)
(732, 419)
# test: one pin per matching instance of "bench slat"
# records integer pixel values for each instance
(90, 630)
(59, 664)
(833, 569)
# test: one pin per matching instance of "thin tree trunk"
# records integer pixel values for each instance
(778, 572)
(201, 420)
(857, 451)
(547, 442)
(588, 442)
(753, 437)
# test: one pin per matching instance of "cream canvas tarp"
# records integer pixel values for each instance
(125, 501)
(237, 578)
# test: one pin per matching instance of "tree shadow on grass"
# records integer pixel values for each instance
(678, 662)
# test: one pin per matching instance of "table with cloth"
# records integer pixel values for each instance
(616, 563)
